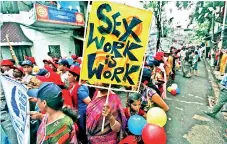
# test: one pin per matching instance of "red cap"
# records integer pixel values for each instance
(32, 59)
(51, 77)
(79, 60)
(47, 67)
(55, 65)
(74, 56)
(74, 69)
(159, 56)
(45, 60)
(19, 68)
(6, 63)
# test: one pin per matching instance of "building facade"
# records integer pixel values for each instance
(36, 28)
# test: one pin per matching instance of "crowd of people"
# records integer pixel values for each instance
(63, 109)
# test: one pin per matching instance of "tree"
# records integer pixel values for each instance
(157, 6)
(205, 11)
(184, 4)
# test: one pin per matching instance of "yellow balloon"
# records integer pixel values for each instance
(169, 89)
(156, 116)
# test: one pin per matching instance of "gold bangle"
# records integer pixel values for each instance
(114, 124)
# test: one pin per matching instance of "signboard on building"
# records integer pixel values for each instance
(18, 106)
(59, 16)
(115, 43)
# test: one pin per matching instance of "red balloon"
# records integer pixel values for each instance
(153, 134)
(173, 92)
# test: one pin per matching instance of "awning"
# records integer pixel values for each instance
(15, 34)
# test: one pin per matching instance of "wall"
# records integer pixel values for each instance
(41, 41)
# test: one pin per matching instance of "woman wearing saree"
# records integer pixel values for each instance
(57, 124)
(115, 119)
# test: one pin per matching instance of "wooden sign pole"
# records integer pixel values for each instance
(107, 99)
(11, 50)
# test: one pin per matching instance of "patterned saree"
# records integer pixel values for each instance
(95, 118)
(61, 131)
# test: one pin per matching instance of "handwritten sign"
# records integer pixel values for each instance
(18, 106)
(116, 39)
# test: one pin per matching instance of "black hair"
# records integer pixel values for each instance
(57, 104)
(196, 52)
(104, 90)
(75, 75)
(73, 114)
(2, 71)
(133, 97)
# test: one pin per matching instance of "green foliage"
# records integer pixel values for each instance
(204, 11)
(183, 4)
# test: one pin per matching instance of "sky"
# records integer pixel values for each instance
(181, 17)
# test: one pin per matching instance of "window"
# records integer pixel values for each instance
(9, 7)
(20, 52)
(55, 50)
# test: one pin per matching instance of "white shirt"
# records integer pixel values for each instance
(26, 79)
(9, 73)
(64, 78)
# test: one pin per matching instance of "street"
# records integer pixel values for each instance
(181, 127)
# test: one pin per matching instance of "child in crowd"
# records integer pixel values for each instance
(195, 63)
(133, 106)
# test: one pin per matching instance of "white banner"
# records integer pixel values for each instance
(18, 106)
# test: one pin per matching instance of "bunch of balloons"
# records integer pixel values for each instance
(152, 130)
(173, 89)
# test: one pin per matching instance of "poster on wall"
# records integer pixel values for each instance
(116, 40)
(18, 107)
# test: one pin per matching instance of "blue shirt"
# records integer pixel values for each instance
(224, 81)
(82, 93)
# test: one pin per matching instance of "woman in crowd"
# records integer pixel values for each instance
(57, 124)
(115, 118)
(80, 97)
(149, 95)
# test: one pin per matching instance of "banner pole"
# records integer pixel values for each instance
(107, 99)
(11, 50)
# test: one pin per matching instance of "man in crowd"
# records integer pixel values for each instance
(6, 124)
(18, 73)
(6, 66)
(222, 99)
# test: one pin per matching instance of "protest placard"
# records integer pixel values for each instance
(117, 36)
(18, 107)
